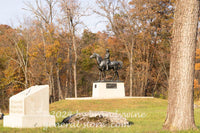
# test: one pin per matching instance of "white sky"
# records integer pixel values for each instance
(11, 11)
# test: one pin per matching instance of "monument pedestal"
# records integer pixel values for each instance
(29, 109)
(27, 121)
(105, 90)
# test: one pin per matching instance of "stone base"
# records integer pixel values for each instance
(28, 121)
(108, 90)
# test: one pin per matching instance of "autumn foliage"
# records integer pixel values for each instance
(41, 50)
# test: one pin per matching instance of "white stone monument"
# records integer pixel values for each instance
(103, 90)
(30, 108)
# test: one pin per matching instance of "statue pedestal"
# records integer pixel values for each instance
(103, 90)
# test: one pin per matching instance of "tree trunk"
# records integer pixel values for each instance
(75, 62)
(180, 113)
(26, 66)
(60, 95)
(51, 85)
(135, 86)
(147, 70)
(70, 72)
(50, 90)
(67, 84)
(131, 74)
(143, 80)
(26, 77)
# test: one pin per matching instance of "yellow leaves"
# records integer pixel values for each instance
(52, 50)
(34, 54)
(197, 66)
(40, 45)
(113, 41)
(196, 89)
(198, 54)
(34, 51)
(57, 44)
(51, 28)
(9, 71)
(196, 84)
(59, 60)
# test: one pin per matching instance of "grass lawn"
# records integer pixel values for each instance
(148, 115)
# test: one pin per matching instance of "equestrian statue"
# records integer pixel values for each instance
(106, 65)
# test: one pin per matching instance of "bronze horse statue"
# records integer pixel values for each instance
(113, 65)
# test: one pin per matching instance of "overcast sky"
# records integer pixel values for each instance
(11, 11)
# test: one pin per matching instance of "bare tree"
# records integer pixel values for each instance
(180, 113)
(25, 59)
(72, 14)
(45, 15)
(21, 40)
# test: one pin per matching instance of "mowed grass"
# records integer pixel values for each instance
(148, 115)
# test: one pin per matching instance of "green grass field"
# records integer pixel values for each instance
(148, 115)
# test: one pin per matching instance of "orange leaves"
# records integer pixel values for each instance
(196, 84)
(197, 65)
(52, 50)
(196, 89)
(113, 41)
(196, 81)
(34, 54)
(198, 54)
(6, 32)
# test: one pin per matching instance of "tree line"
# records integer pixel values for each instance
(48, 48)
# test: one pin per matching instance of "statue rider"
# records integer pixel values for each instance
(107, 58)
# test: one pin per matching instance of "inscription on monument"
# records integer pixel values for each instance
(111, 86)
(16, 107)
